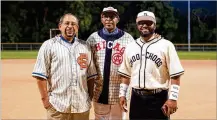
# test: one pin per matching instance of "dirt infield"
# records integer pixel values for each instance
(21, 99)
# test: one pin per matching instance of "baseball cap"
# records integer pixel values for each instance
(110, 9)
(146, 15)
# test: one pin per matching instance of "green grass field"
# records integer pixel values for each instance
(182, 55)
(197, 55)
(19, 54)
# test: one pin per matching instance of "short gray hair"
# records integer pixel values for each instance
(61, 19)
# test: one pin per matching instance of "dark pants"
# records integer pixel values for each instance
(147, 107)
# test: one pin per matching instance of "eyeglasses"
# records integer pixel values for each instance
(109, 16)
(68, 23)
(148, 23)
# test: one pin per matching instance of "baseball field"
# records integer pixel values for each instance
(21, 98)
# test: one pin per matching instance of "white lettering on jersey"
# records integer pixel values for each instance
(110, 44)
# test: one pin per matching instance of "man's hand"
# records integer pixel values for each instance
(123, 104)
(42, 85)
(46, 102)
(169, 107)
(90, 84)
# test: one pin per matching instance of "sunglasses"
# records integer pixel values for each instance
(148, 23)
(109, 15)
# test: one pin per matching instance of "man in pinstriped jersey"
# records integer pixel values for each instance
(108, 46)
(64, 69)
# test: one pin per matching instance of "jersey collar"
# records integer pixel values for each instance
(140, 41)
(62, 38)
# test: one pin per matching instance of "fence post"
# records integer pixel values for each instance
(50, 33)
(16, 46)
(31, 47)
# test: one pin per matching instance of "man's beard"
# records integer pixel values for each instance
(147, 34)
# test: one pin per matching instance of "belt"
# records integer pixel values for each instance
(147, 92)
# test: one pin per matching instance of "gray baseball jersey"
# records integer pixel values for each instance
(67, 67)
(150, 65)
(108, 55)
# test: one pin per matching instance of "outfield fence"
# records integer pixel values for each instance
(179, 47)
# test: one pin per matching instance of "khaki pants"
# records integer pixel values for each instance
(53, 114)
(107, 112)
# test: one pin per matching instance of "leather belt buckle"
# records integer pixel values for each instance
(147, 92)
(154, 91)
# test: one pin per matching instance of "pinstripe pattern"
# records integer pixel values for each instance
(58, 62)
(153, 70)
(99, 45)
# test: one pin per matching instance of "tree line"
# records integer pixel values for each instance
(30, 21)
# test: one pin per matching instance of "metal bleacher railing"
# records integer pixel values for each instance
(36, 46)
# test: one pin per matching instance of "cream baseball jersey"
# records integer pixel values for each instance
(67, 67)
(108, 55)
(150, 65)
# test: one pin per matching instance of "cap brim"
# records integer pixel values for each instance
(148, 18)
(110, 11)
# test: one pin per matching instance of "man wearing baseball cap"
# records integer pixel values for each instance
(147, 18)
(110, 10)
(149, 65)
(108, 46)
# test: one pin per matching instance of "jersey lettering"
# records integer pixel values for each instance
(110, 44)
(154, 58)
(117, 57)
(102, 45)
(116, 47)
(82, 60)
(97, 46)
(149, 56)
(134, 58)
(137, 57)
(122, 50)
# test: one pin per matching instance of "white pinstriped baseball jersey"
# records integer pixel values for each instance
(67, 67)
(150, 65)
(108, 55)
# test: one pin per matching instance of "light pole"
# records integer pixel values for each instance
(189, 26)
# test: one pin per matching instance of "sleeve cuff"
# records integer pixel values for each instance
(123, 74)
(92, 76)
(34, 74)
(176, 74)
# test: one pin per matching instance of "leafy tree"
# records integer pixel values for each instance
(166, 22)
(25, 21)
(200, 24)
(11, 29)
